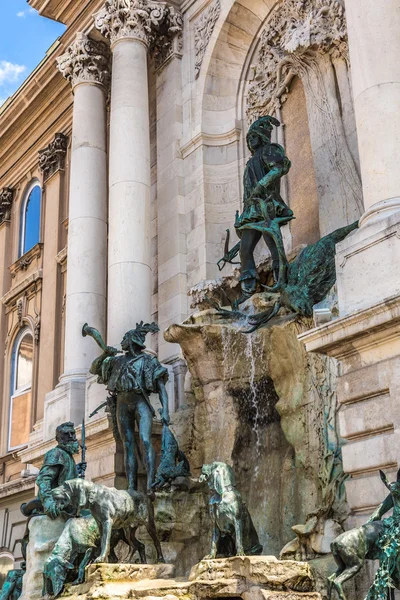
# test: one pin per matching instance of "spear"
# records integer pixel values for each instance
(83, 448)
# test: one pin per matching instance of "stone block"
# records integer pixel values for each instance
(124, 572)
(65, 403)
(363, 257)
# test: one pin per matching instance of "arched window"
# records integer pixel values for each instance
(21, 390)
(30, 218)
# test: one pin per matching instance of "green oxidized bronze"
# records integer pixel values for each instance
(58, 466)
(305, 281)
(131, 376)
(233, 531)
(264, 210)
(12, 587)
(375, 540)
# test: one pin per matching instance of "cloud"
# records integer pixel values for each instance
(29, 11)
(10, 72)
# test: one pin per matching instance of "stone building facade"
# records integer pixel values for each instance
(121, 160)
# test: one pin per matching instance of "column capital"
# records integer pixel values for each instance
(6, 200)
(52, 158)
(153, 23)
(86, 61)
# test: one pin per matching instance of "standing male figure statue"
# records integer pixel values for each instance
(58, 466)
(264, 210)
(133, 375)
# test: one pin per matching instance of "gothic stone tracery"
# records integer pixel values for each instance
(52, 158)
(86, 61)
(153, 23)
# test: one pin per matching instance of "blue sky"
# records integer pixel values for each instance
(24, 38)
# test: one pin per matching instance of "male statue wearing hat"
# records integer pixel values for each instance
(264, 210)
(132, 376)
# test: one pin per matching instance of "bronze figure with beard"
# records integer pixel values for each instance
(58, 466)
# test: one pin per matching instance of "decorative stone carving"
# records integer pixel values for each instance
(52, 158)
(204, 27)
(6, 199)
(153, 23)
(86, 61)
(296, 33)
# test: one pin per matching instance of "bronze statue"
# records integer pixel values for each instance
(58, 466)
(233, 529)
(12, 587)
(132, 376)
(111, 509)
(306, 280)
(374, 540)
(264, 210)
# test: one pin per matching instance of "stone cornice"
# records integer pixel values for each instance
(153, 23)
(19, 289)
(86, 61)
(359, 331)
(17, 486)
(52, 158)
(6, 200)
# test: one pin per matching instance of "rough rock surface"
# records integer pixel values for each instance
(43, 535)
(248, 578)
(265, 406)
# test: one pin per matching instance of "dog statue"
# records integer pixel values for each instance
(80, 540)
(233, 529)
(111, 509)
(173, 463)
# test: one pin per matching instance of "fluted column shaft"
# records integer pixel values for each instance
(133, 29)
(129, 258)
(374, 44)
(86, 65)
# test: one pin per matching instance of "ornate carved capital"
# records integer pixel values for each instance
(203, 29)
(86, 61)
(296, 33)
(153, 23)
(52, 158)
(6, 200)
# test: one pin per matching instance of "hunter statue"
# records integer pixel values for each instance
(58, 466)
(132, 376)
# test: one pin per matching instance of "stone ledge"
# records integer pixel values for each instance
(248, 577)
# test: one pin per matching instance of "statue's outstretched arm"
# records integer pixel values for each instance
(382, 509)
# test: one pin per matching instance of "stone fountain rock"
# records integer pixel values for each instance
(247, 578)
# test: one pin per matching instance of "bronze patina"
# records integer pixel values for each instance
(58, 466)
(131, 376)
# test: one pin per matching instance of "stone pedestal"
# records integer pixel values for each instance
(248, 577)
(65, 403)
(43, 535)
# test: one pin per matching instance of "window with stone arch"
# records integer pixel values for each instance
(21, 390)
(30, 217)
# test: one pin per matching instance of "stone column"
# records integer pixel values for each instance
(374, 44)
(132, 32)
(367, 261)
(86, 66)
(52, 161)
